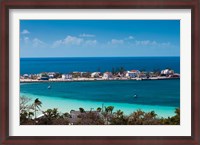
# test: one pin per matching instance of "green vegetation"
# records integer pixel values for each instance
(102, 116)
(99, 109)
(57, 75)
(26, 110)
(90, 118)
(76, 74)
(43, 74)
(117, 70)
(37, 104)
(81, 110)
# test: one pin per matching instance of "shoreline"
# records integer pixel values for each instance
(94, 79)
(75, 104)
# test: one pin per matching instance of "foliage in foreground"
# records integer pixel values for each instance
(102, 116)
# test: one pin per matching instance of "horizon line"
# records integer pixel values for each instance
(93, 56)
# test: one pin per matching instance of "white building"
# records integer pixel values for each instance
(66, 76)
(107, 75)
(167, 72)
(51, 74)
(95, 74)
(26, 76)
(132, 73)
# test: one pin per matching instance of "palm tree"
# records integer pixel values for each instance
(51, 115)
(99, 109)
(105, 114)
(122, 70)
(119, 113)
(108, 113)
(176, 119)
(37, 104)
(150, 118)
(110, 109)
(81, 110)
(118, 118)
(136, 118)
(153, 114)
(106, 110)
(30, 114)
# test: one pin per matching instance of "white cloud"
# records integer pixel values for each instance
(91, 42)
(165, 44)
(33, 43)
(83, 42)
(153, 43)
(72, 40)
(57, 43)
(117, 41)
(69, 40)
(25, 32)
(146, 42)
(143, 42)
(86, 35)
(130, 37)
(38, 43)
(26, 39)
(134, 42)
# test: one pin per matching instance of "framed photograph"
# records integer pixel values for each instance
(100, 72)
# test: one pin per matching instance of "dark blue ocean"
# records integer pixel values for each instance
(102, 64)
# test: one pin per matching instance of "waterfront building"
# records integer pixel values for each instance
(132, 73)
(167, 72)
(143, 75)
(26, 76)
(66, 76)
(43, 76)
(51, 74)
(95, 74)
(107, 75)
(85, 74)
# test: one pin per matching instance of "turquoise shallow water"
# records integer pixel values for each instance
(65, 105)
(162, 96)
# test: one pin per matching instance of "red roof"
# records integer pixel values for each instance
(108, 72)
(134, 70)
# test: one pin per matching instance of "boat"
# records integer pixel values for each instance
(49, 87)
(135, 96)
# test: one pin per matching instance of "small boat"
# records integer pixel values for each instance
(49, 87)
(135, 96)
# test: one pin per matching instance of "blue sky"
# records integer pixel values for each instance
(99, 38)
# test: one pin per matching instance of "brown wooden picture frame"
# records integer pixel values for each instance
(6, 5)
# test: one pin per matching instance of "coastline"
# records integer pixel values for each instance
(65, 105)
(93, 79)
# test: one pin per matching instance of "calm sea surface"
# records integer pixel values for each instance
(162, 96)
(102, 64)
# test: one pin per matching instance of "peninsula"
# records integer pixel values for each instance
(99, 76)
